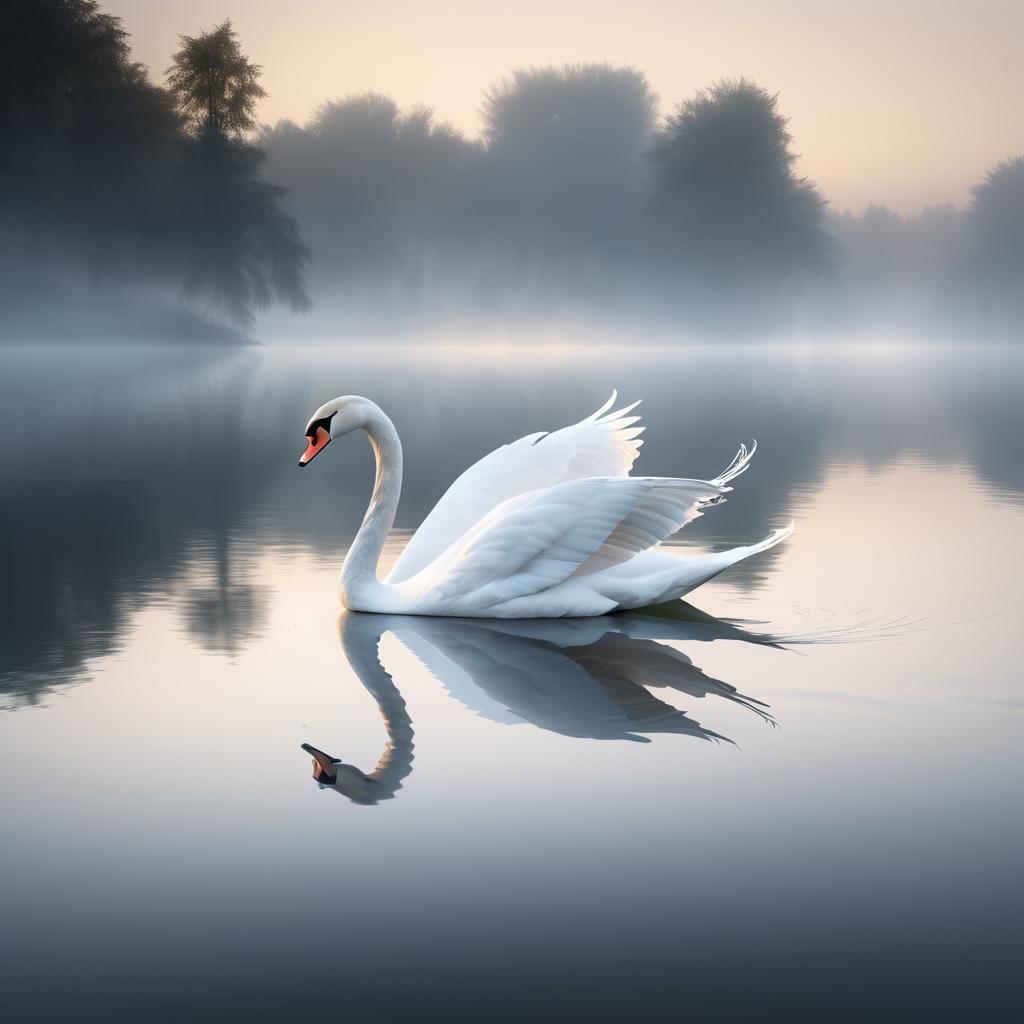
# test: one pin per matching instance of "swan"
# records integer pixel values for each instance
(582, 678)
(549, 526)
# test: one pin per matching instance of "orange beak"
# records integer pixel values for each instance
(317, 443)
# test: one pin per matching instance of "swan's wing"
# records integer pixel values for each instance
(604, 444)
(539, 540)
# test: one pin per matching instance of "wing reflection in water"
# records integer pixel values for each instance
(587, 678)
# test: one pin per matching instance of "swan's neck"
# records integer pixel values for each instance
(359, 581)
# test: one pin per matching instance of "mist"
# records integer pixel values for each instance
(136, 211)
(578, 205)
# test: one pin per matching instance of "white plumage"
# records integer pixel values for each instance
(551, 525)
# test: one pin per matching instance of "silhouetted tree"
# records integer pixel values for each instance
(899, 271)
(995, 243)
(572, 137)
(214, 84)
(101, 185)
(383, 196)
(86, 142)
(243, 252)
(726, 188)
(563, 181)
(873, 245)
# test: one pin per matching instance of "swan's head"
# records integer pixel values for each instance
(332, 420)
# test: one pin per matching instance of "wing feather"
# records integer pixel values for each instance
(664, 509)
(605, 444)
(539, 540)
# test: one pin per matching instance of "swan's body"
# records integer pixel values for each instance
(552, 525)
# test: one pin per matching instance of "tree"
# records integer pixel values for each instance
(242, 252)
(89, 154)
(563, 178)
(382, 194)
(102, 186)
(996, 221)
(569, 141)
(995, 242)
(728, 192)
(214, 83)
(85, 138)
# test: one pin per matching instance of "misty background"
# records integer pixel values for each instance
(155, 203)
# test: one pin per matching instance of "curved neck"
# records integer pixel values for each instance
(359, 573)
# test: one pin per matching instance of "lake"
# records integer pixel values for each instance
(799, 796)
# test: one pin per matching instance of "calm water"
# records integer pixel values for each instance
(800, 796)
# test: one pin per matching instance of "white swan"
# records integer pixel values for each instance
(551, 525)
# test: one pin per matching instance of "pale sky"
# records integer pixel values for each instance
(905, 102)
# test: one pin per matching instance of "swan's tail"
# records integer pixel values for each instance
(720, 561)
(700, 568)
(739, 465)
(773, 538)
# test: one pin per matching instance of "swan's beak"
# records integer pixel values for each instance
(317, 443)
(324, 770)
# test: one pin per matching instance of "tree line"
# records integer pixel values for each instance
(963, 268)
(576, 197)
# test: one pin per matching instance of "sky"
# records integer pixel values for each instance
(904, 102)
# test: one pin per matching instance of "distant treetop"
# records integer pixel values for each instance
(215, 85)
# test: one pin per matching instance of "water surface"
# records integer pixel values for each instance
(799, 794)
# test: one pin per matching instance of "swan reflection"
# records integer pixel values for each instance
(586, 678)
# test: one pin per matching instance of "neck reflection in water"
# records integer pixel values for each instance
(586, 678)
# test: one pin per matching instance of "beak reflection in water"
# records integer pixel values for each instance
(587, 678)
(324, 766)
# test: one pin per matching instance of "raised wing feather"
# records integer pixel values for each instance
(668, 506)
(539, 540)
(605, 444)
